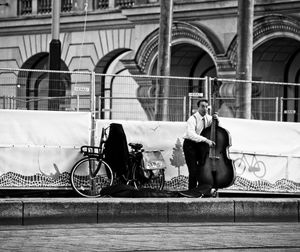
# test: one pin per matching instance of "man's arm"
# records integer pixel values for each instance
(191, 131)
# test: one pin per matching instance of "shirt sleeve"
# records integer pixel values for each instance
(191, 131)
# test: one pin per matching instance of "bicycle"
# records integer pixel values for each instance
(91, 173)
(257, 167)
(141, 175)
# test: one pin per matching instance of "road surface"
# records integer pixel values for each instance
(152, 237)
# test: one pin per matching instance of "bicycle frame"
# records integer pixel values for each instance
(95, 152)
(135, 162)
(92, 172)
(138, 175)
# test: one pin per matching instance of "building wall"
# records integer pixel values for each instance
(91, 40)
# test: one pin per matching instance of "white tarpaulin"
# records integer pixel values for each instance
(271, 138)
(38, 148)
(266, 155)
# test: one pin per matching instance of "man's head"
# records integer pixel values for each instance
(202, 106)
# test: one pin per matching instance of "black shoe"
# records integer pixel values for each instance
(200, 192)
(214, 193)
(192, 193)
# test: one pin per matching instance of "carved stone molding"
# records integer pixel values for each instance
(180, 30)
(225, 66)
(148, 51)
(265, 27)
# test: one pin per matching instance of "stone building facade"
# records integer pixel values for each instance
(121, 37)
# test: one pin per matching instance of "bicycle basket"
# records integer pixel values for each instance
(154, 161)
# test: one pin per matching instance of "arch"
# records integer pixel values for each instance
(267, 28)
(101, 68)
(28, 81)
(181, 33)
(104, 63)
(269, 31)
(184, 35)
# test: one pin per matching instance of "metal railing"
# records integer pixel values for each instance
(121, 107)
(133, 97)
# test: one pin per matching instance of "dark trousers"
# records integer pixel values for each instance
(194, 160)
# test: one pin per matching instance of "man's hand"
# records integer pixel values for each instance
(215, 116)
(210, 143)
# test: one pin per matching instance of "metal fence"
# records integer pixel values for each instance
(133, 97)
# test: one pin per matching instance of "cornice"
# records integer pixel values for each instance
(68, 23)
(184, 10)
(199, 9)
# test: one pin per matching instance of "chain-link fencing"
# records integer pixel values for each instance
(141, 97)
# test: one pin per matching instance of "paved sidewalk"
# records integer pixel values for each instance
(274, 236)
(26, 211)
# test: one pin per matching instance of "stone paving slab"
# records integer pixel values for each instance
(267, 210)
(237, 237)
(27, 211)
(11, 212)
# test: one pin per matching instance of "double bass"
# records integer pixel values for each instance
(217, 168)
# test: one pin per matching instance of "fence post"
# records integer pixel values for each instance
(92, 107)
(190, 105)
(99, 106)
(281, 109)
(10, 100)
(77, 103)
(184, 108)
(207, 89)
(276, 108)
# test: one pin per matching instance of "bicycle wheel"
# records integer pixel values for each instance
(131, 178)
(156, 181)
(260, 172)
(89, 175)
(156, 178)
(240, 166)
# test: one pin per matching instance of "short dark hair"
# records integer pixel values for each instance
(202, 100)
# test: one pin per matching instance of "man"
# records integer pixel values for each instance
(195, 124)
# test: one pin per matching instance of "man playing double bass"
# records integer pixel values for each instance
(192, 141)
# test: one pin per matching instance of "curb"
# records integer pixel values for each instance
(31, 211)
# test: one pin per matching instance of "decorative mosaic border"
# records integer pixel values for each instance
(15, 180)
(12, 179)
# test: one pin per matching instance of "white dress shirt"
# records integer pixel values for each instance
(195, 125)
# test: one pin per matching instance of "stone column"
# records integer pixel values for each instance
(244, 58)
(164, 60)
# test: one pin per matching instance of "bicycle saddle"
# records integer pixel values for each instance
(136, 146)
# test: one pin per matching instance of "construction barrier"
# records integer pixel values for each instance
(38, 149)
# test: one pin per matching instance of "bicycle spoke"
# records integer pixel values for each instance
(88, 177)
